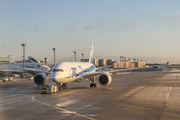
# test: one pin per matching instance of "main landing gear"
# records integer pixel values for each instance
(94, 84)
(61, 86)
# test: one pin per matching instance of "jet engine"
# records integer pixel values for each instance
(105, 79)
(40, 79)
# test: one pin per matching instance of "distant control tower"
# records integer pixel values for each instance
(46, 60)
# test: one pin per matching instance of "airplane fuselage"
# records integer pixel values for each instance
(70, 71)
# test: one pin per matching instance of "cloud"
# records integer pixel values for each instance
(100, 23)
(130, 25)
(126, 26)
(99, 33)
(36, 27)
(172, 18)
(71, 27)
(88, 27)
(11, 28)
(95, 23)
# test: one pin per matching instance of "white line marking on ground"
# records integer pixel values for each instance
(169, 93)
(67, 111)
(153, 92)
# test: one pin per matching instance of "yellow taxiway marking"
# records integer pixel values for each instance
(14, 99)
(63, 109)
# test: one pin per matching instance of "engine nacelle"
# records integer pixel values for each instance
(105, 79)
(40, 79)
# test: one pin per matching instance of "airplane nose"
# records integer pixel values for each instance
(54, 77)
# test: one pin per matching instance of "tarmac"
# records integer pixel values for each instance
(130, 96)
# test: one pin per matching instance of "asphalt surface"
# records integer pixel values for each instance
(130, 96)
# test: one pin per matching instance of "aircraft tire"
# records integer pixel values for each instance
(60, 88)
(91, 84)
(95, 84)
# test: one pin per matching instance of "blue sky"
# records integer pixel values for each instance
(141, 29)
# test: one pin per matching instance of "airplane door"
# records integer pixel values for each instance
(74, 71)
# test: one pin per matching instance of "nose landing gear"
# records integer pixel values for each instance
(61, 86)
(64, 85)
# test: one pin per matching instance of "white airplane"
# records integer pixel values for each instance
(65, 72)
(161, 66)
(9, 69)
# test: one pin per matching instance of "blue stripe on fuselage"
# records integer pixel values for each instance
(88, 70)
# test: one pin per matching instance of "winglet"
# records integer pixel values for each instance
(92, 52)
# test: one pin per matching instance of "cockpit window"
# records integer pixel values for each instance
(57, 70)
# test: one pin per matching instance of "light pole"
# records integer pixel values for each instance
(134, 64)
(125, 61)
(54, 55)
(120, 61)
(75, 56)
(23, 44)
(9, 59)
(141, 64)
(82, 57)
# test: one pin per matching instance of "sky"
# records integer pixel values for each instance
(147, 30)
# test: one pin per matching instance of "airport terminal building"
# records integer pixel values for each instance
(5, 60)
(117, 64)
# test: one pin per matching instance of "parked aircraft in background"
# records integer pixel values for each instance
(161, 66)
(9, 69)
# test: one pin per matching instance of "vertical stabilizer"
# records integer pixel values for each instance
(32, 60)
(92, 52)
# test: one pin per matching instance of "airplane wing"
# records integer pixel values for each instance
(34, 70)
(112, 72)
(5, 70)
(86, 75)
(9, 72)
